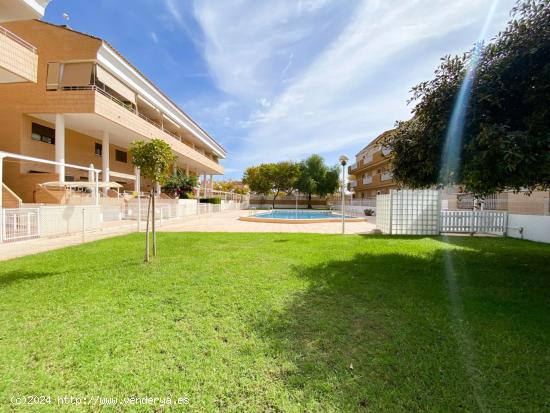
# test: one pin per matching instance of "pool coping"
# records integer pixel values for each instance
(299, 221)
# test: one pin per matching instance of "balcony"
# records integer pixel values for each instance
(386, 176)
(367, 180)
(89, 109)
(112, 108)
(18, 59)
(353, 184)
(367, 159)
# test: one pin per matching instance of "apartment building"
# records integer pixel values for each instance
(76, 100)
(371, 173)
(18, 57)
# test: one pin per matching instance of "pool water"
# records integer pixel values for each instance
(299, 214)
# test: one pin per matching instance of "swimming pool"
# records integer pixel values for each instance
(294, 216)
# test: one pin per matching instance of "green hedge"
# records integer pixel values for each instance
(215, 200)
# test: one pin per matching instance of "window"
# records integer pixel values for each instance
(42, 134)
(121, 156)
(52, 79)
(98, 149)
(69, 178)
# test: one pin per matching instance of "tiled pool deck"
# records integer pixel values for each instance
(229, 222)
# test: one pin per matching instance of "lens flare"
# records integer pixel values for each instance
(452, 148)
(450, 167)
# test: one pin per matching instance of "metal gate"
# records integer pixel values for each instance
(19, 224)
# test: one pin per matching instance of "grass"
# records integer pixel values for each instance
(281, 322)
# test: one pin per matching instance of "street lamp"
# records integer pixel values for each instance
(343, 161)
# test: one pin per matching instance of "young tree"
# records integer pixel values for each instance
(506, 130)
(154, 158)
(314, 177)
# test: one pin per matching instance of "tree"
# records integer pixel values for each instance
(284, 176)
(504, 140)
(257, 179)
(271, 178)
(315, 177)
(232, 186)
(154, 158)
(180, 184)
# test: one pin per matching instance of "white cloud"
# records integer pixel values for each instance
(154, 37)
(173, 9)
(325, 79)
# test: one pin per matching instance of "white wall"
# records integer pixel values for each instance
(535, 227)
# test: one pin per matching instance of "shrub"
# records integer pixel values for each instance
(215, 200)
(369, 212)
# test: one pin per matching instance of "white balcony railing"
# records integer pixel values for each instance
(386, 176)
(367, 159)
(353, 184)
(126, 106)
(17, 39)
(367, 180)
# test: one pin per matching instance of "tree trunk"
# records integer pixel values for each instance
(275, 197)
(154, 224)
(309, 201)
(146, 259)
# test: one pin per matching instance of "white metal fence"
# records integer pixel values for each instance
(68, 219)
(19, 224)
(491, 202)
(34, 221)
(366, 202)
(490, 222)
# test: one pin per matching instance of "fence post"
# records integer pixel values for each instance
(1, 196)
(137, 172)
(439, 211)
(391, 210)
(38, 223)
(83, 224)
(505, 219)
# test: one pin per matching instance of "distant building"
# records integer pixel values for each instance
(371, 173)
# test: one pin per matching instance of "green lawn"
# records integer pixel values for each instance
(281, 322)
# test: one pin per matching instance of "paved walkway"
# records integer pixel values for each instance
(224, 222)
(229, 222)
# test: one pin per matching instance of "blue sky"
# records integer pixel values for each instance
(282, 79)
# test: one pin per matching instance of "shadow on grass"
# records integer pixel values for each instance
(16, 276)
(342, 337)
(378, 332)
